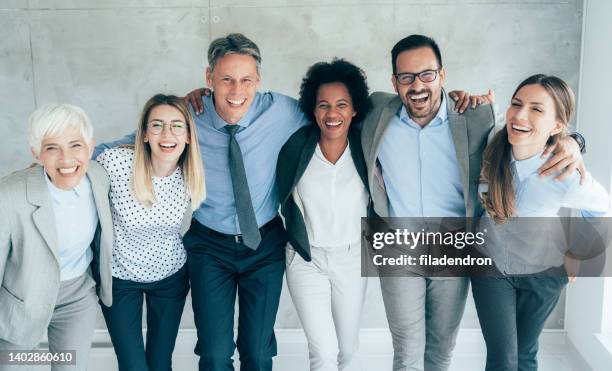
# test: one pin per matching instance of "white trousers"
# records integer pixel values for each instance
(328, 293)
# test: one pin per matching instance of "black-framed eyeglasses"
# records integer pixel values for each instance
(177, 128)
(407, 78)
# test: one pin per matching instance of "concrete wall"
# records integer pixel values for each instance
(589, 301)
(110, 56)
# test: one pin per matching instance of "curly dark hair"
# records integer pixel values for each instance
(338, 70)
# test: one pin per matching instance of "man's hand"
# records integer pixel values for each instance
(195, 98)
(463, 99)
(566, 158)
(572, 267)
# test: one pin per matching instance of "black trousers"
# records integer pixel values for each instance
(512, 312)
(165, 300)
(221, 268)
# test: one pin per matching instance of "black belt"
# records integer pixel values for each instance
(237, 238)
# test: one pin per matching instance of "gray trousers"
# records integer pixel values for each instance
(71, 327)
(424, 316)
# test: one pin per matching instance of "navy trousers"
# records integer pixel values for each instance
(221, 267)
(165, 301)
(512, 312)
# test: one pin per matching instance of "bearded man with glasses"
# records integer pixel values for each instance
(423, 159)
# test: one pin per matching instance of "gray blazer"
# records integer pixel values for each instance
(469, 130)
(29, 262)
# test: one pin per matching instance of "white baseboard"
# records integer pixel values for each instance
(373, 340)
(375, 352)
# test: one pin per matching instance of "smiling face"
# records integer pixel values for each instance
(531, 120)
(422, 100)
(334, 111)
(167, 145)
(234, 82)
(65, 158)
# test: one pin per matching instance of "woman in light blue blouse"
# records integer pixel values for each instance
(513, 306)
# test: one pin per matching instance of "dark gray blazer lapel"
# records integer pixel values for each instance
(306, 155)
(357, 154)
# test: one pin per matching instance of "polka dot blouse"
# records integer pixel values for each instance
(148, 245)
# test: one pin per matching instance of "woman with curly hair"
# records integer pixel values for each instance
(322, 186)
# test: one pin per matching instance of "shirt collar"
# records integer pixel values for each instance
(343, 157)
(82, 189)
(440, 118)
(219, 123)
(527, 167)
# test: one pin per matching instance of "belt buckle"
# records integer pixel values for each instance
(238, 238)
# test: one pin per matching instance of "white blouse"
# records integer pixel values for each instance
(147, 245)
(332, 199)
(76, 220)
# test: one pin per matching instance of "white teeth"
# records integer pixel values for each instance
(236, 102)
(419, 96)
(336, 123)
(69, 170)
(521, 128)
(167, 145)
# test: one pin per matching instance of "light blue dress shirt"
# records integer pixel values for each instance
(524, 245)
(420, 168)
(76, 220)
(269, 122)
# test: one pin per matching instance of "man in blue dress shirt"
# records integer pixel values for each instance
(222, 261)
(423, 160)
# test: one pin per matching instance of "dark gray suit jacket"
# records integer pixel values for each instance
(292, 162)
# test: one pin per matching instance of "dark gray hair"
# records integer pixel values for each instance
(234, 43)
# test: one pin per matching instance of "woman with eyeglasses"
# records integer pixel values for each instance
(154, 187)
(514, 305)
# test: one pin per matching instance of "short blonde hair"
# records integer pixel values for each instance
(54, 119)
(190, 161)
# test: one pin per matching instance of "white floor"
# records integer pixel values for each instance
(375, 352)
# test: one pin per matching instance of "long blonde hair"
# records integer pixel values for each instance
(499, 200)
(190, 160)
